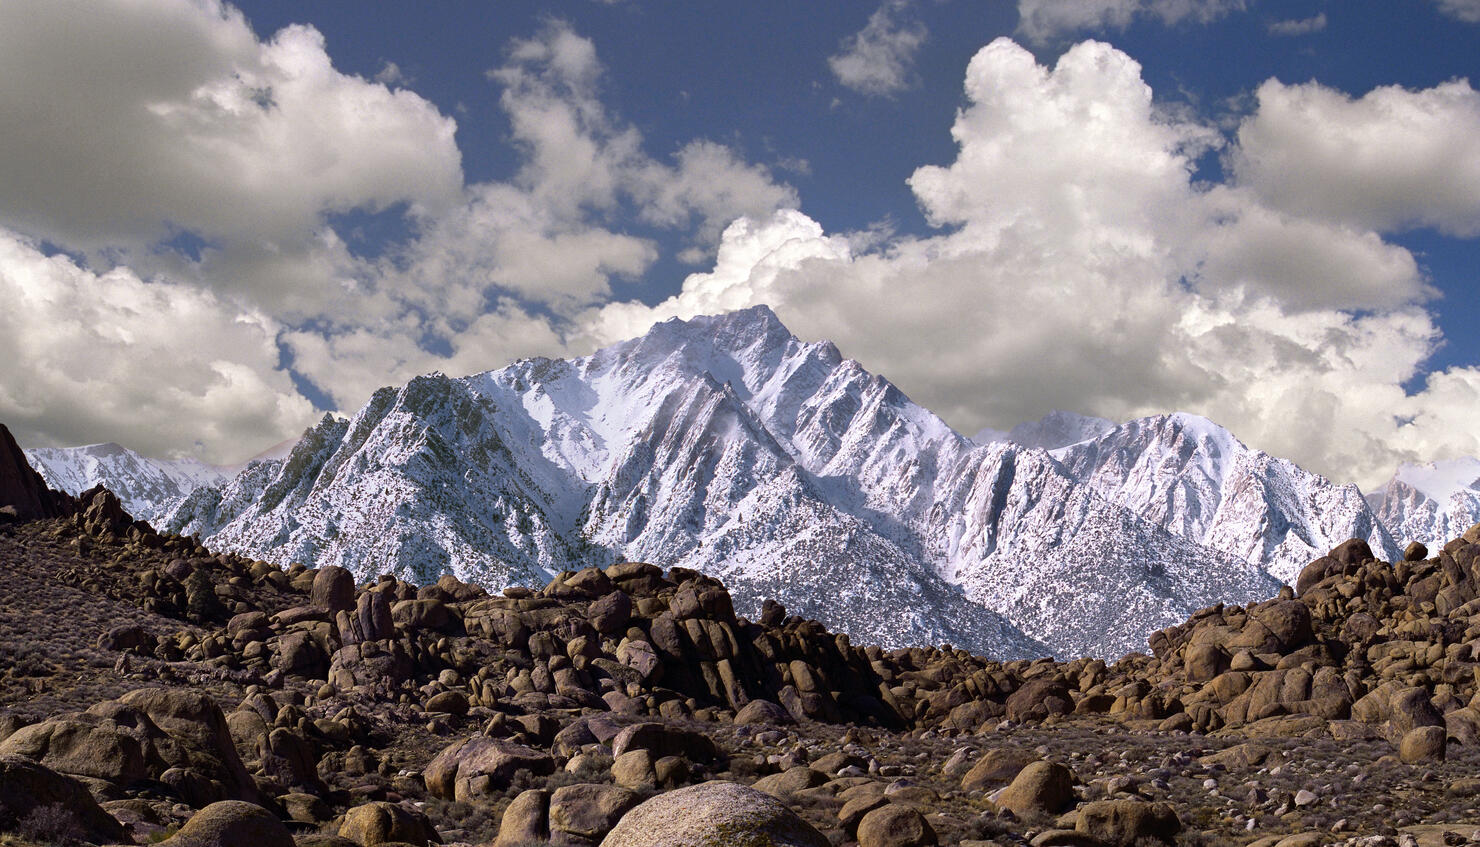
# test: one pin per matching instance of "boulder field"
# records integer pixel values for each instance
(153, 691)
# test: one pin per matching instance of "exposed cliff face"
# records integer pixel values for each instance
(1191, 477)
(22, 490)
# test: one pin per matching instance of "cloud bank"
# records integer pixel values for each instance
(213, 171)
(1081, 266)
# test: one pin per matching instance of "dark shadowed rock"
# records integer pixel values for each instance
(102, 512)
(763, 712)
(333, 589)
(1353, 551)
(663, 740)
(26, 786)
(21, 488)
(610, 613)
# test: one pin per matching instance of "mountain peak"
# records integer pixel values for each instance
(1054, 430)
(729, 331)
(1441, 480)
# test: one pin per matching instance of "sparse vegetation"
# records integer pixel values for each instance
(334, 705)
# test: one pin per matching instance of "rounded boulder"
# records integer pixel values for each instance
(713, 814)
(381, 822)
(232, 823)
(895, 826)
(1039, 790)
(333, 589)
(26, 786)
(1126, 822)
(1423, 744)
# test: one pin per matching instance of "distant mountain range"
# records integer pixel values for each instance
(148, 488)
(1430, 502)
(726, 445)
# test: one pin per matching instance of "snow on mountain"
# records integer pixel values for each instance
(147, 487)
(1052, 431)
(726, 445)
(1190, 476)
(1431, 502)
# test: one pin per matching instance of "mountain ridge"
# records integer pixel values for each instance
(703, 442)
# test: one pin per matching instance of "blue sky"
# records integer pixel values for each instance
(221, 220)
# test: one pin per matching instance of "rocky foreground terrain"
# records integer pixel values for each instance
(152, 691)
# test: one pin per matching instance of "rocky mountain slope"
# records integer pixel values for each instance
(1191, 477)
(721, 444)
(156, 692)
(728, 446)
(1430, 502)
(147, 487)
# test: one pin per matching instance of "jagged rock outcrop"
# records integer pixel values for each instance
(24, 495)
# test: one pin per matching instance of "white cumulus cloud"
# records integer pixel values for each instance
(1391, 159)
(1078, 260)
(879, 59)
(128, 123)
(179, 157)
(492, 277)
(160, 367)
(1080, 266)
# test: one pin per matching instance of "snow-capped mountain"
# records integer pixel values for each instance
(1052, 431)
(1191, 477)
(147, 487)
(729, 446)
(1431, 502)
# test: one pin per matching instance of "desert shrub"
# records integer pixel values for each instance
(746, 768)
(475, 818)
(594, 769)
(524, 780)
(53, 825)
